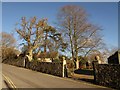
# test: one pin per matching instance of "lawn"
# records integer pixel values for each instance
(84, 71)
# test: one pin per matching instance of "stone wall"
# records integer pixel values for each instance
(15, 62)
(108, 75)
(45, 67)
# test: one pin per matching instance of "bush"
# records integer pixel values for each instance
(56, 60)
(9, 54)
(83, 62)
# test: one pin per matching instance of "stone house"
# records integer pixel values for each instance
(48, 57)
(115, 58)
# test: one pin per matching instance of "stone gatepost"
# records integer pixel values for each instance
(64, 63)
(94, 63)
(97, 58)
(25, 61)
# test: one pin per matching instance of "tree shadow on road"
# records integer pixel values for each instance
(87, 80)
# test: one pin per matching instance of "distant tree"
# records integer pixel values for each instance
(57, 43)
(78, 31)
(7, 40)
(112, 50)
(82, 60)
(102, 56)
(9, 53)
(8, 46)
(47, 33)
(95, 44)
(107, 52)
(53, 40)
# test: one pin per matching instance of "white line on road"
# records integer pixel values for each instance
(9, 81)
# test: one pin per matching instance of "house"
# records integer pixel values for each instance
(48, 57)
(115, 58)
(45, 60)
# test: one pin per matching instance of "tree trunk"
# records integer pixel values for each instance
(71, 41)
(76, 59)
(45, 45)
(77, 63)
(30, 54)
(75, 43)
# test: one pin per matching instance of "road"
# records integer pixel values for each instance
(24, 78)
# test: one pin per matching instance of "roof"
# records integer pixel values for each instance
(48, 55)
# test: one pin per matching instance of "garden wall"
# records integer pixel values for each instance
(45, 67)
(15, 62)
(108, 75)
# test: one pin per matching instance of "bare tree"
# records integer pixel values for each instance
(112, 50)
(78, 31)
(7, 46)
(7, 40)
(31, 31)
(96, 43)
(107, 52)
(56, 42)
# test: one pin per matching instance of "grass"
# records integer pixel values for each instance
(84, 71)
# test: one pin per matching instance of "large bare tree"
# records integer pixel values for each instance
(78, 31)
(31, 31)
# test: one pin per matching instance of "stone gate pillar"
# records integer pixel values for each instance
(64, 63)
(94, 63)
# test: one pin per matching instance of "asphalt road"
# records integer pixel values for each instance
(24, 78)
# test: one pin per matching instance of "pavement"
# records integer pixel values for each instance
(25, 78)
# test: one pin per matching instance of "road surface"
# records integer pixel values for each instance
(25, 78)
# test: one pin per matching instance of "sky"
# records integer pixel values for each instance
(0, 16)
(104, 14)
(60, 0)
